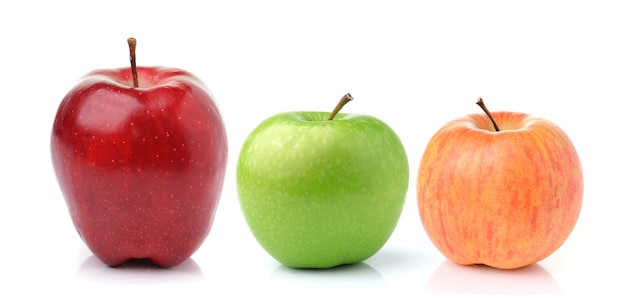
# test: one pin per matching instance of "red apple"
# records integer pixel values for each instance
(140, 156)
(505, 197)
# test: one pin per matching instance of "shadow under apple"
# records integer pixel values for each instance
(452, 278)
(139, 272)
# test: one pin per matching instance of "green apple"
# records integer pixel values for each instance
(320, 190)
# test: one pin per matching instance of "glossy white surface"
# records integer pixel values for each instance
(415, 65)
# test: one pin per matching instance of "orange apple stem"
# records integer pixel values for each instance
(132, 46)
(482, 106)
(342, 102)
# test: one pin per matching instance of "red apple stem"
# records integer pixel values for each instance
(482, 106)
(342, 102)
(132, 46)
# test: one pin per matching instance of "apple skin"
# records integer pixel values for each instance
(141, 169)
(318, 193)
(505, 199)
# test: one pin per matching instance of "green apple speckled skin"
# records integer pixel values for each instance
(318, 193)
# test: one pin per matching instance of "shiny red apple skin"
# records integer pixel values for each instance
(505, 199)
(141, 169)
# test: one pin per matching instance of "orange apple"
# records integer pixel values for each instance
(502, 189)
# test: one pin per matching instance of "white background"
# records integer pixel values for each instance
(413, 64)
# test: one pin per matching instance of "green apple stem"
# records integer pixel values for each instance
(482, 106)
(342, 102)
(132, 45)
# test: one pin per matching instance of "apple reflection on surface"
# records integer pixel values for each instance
(341, 279)
(139, 272)
(451, 278)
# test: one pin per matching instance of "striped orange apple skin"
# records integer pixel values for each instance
(505, 199)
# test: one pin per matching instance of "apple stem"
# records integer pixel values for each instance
(482, 106)
(342, 102)
(132, 45)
